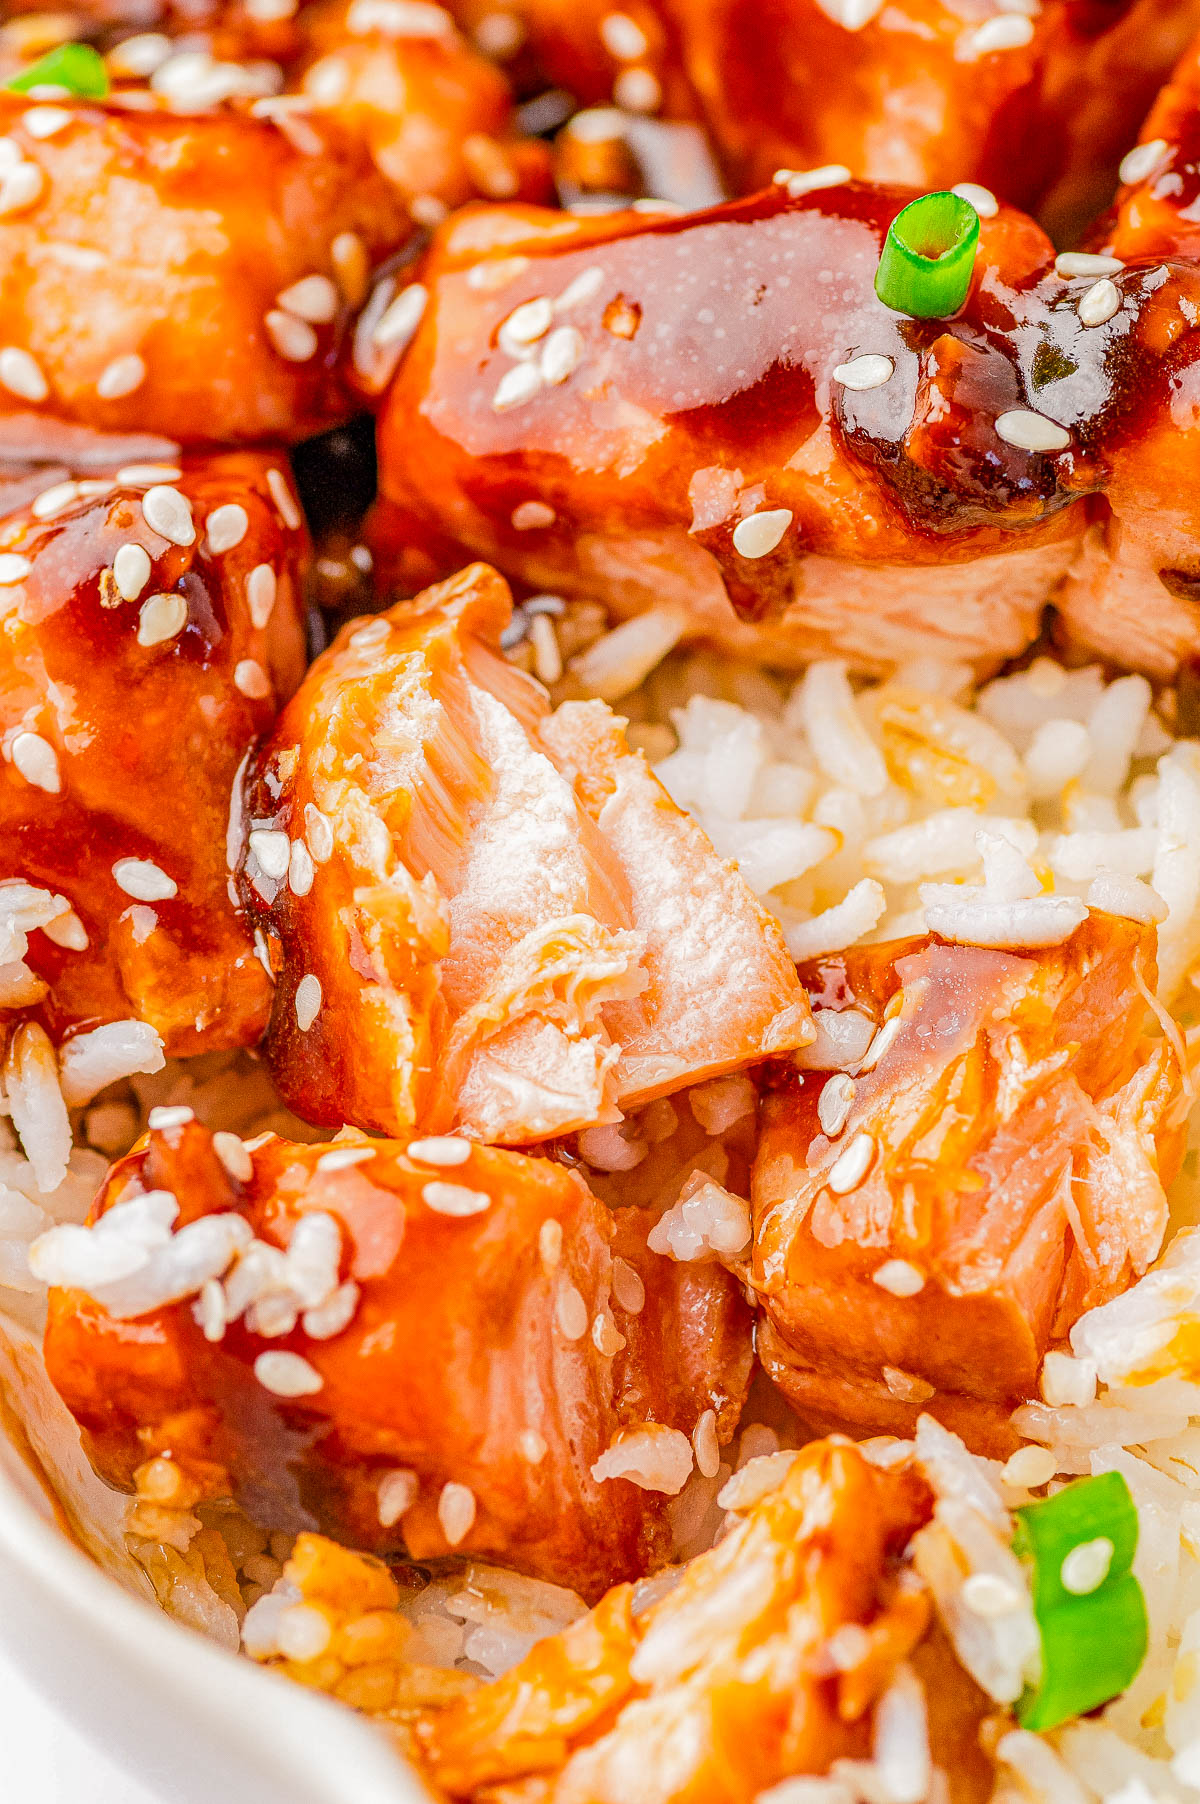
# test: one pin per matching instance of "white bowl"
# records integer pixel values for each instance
(195, 1724)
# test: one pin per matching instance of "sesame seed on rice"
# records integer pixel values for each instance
(1029, 431)
(397, 1492)
(869, 371)
(561, 354)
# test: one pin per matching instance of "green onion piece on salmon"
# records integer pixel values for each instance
(1089, 1607)
(76, 67)
(928, 256)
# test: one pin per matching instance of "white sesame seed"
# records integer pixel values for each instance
(352, 266)
(54, 500)
(13, 568)
(95, 485)
(226, 527)
(1029, 1467)
(528, 322)
(45, 121)
(20, 187)
(880, 1044)
(232, 1153)
(284, 500)
(1099, 303)
(455, 1199)
(308, 1001)
(986, 1594)
(140, 55)
(570, 1312)
(287, 1375)
(131, 570)
(271, 850)
(37, 762)
(251, 680)
(760, 533)
(547, 658)
(440, 1149)
(899, 1278)
(121, 377)
(293, 338)
(532, 1446)
(160, 618)
(300, 869)
(397, 1492)
(1137, 164)
(861, 373)
(530, 515)
(979, 197)
(1086, 1566)
(1084, 263)
(143, 880)
(586, 285)
(517, 386)
(401, 317)
(834, 1103)
(638, 91)
(550, 1243)
(562, 354)
(260, 594)
(318, 831)
(849, 1170)
(169, 514)
(21, 375)
(164, 1120)
(1030, 431)
(623, 37)
(136, 476)
(1006, 31)
(312, 298)
(456, 1512)
(342, 1158)
(67, 931)
(705, 1444)
(807, 181)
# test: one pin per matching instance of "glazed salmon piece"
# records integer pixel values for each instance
(462, 1341)
(458, 941)
(923, 1231)
(722, 1687)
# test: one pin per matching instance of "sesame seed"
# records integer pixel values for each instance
(979, 197)
(517, 386)
(54, 500)
(13, 568)
(308, 1001)
(638, 91)
(440, 1149)
(1084, 263)
(312, 298)
(1029, 1467)
(121, 377)
(20, 187)
(94, 485)
(136, 476)
(760, 533)
(623, 37)
(140, 55)
(586, 285)
(164, 1120)
(899, 1278)
(169, 514)
(1137, 164)
(251, 680)
(226, 527)
(401, 317)
(160, 618)
(67, 931)
(562, 354)
(1086, 1567)
(209, 1307)
(232, 1153)
(1030, 431)
(455, 1199)
(287, 1375)
(318, 831)
(550, 1243)
(530, 515)
(532, 1446)
(397, 1492)
(37, 762)
(21, 375)
(341, 1158)
(547, 658)
(986, 1594)
(45, 121)
(496, 274)
(606, 1336)
(328, 81)
(880, 1044)
(1099, 303)
(284, 500)
(705, 1444)
(351, 266)
(260, 594)
(293, 338)
(834, 1103)
(456, 1512)
(143, 880)
(131, 570)
(849, 1170)
(807, 181)
(869, 371)
(1007, 31)
(570, 1312)
(627, 1287)
(528, 322)
(271, 850)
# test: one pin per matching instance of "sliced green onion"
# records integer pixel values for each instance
(928, 256)
(76, 67)
(1093, 1625)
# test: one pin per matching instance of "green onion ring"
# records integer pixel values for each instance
(928, 257)
(76, 67)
